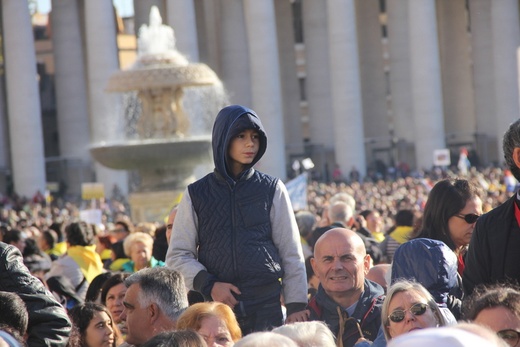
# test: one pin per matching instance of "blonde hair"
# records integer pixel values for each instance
(406, 286)
(193, 316)
(133, 238)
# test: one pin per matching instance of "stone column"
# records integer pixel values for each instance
(105, 109)
(484, 81)
(506, 39)
(400, 80)
(288, 77)
(234, 55)
(345, 86)
(457, 81)
(266, 87)
(208, 33)
(426, 82)
(180, 15)
(318, 74)
(23, 99)
(71, 84)
(372, 74)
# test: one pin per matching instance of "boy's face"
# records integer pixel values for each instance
(243, 149)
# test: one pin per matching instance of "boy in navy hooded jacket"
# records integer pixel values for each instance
(235, 238)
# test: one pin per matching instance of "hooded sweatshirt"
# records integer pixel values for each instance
(239, 230)
(434, 265)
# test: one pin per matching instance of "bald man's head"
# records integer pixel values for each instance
(341, 263)
(343, 235)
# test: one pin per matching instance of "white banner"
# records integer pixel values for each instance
(297, 188)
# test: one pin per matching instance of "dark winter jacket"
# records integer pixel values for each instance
(49, 324)
(236, 244)
(367, 314)
(490, 258)
(239, 228)
(434, 265)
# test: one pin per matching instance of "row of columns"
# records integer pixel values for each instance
(249, 61)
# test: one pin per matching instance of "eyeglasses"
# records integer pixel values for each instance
(470, 218)
(510, 336)
(417, 310)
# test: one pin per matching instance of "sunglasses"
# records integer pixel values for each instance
(417, 310)
(510, 336)
(470, 218)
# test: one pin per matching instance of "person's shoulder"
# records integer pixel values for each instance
(202, 180)
(374, 290)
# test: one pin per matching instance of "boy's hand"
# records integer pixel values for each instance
(223, 292)
(300, 316)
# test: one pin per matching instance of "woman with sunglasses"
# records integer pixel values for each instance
(498, 308)
(409, 306)
(450, 214)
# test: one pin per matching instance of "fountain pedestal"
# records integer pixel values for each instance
(172, 137)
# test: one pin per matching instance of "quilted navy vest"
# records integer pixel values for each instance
(234, 230)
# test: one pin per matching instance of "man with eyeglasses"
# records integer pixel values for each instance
(346, 301)
(493, 255)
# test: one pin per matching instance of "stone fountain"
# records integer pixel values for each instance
(169, 136)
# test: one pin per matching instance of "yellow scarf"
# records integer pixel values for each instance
(379, 236)
(106, 254)
(88, 260)
(401, 234)
(60, 248)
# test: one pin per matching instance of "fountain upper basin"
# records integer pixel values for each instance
(143, 154)
(161, 76)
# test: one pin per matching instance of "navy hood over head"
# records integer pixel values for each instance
(431, 263)
(231, 121)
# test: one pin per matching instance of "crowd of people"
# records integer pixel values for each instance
(366, 264)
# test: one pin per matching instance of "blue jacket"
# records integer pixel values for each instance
(367, 313)
(434, 265)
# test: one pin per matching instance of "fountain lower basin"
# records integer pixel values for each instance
(156, 153)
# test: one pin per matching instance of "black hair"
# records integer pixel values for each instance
(57, 228)
(13, 236)
(112, 281)
(404, 218)
(81, 315)
(51, 237)
(511, 141)
(94, 288)
(447, 198)
(125, 225)
(14, 312)
(79, 234)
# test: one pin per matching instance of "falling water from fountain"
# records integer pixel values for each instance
(169, 108)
